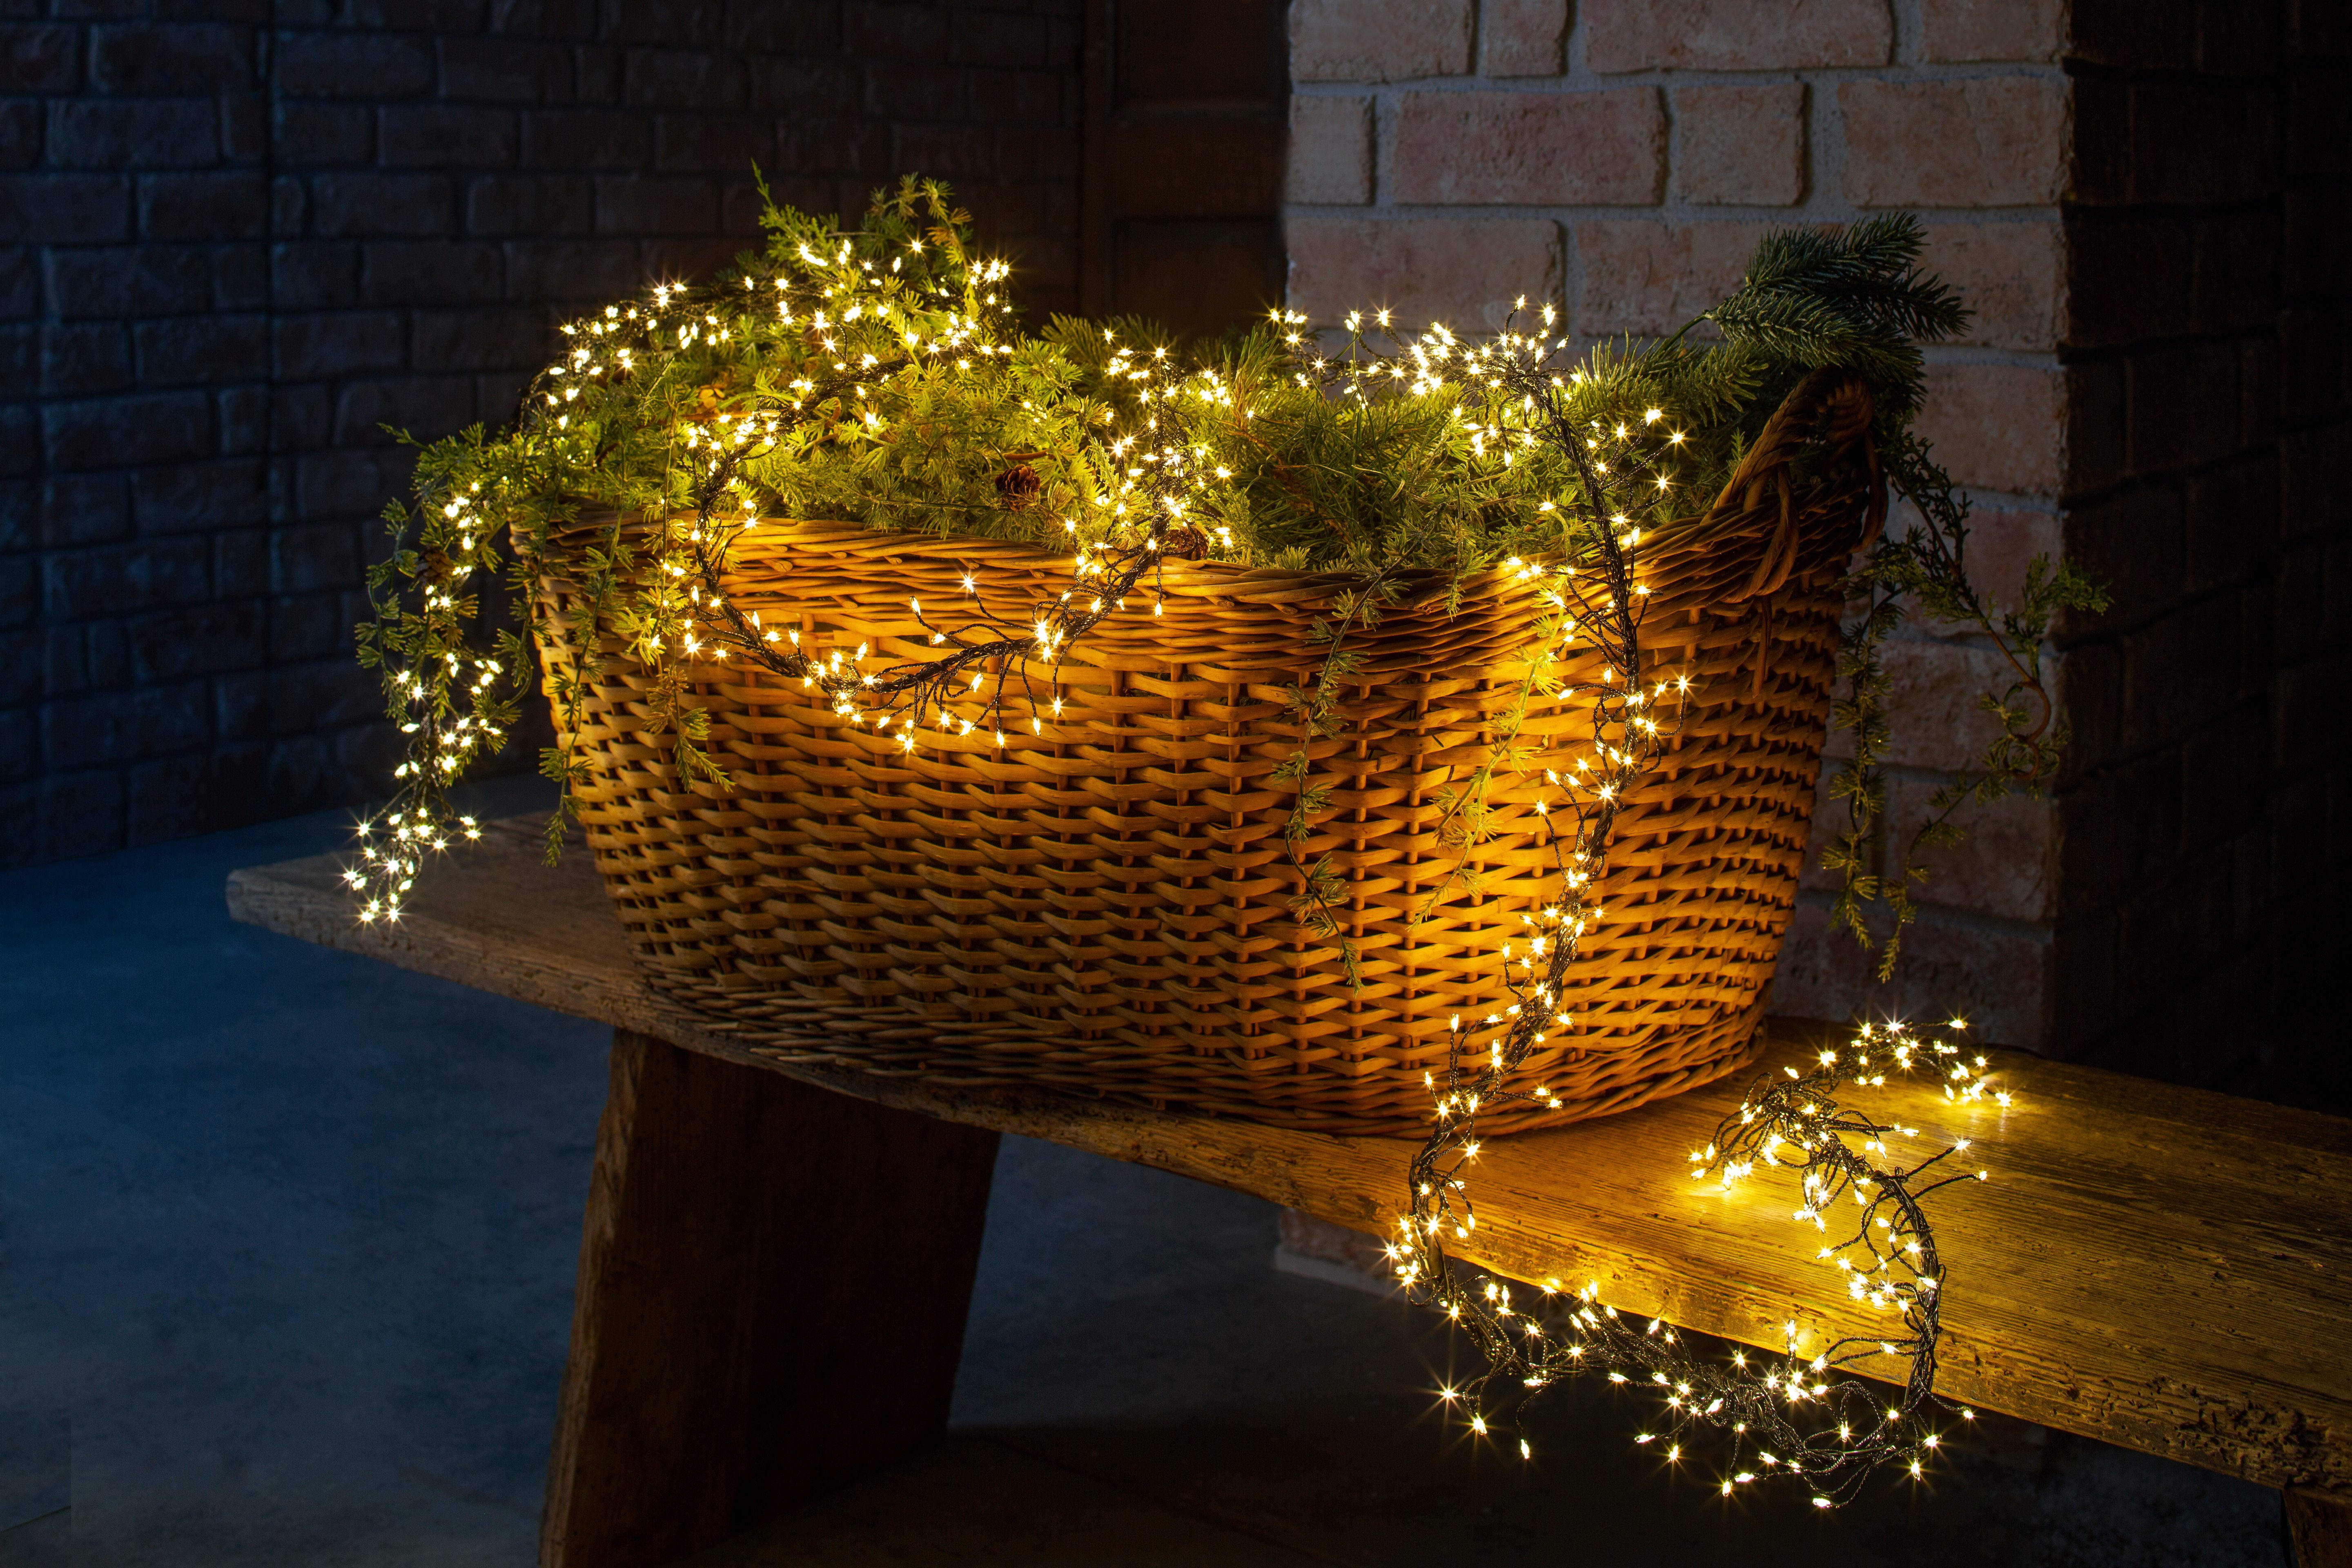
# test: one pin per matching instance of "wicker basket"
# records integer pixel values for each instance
(1105, 908)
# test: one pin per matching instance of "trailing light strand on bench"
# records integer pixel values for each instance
(1783, 1415)
(1786, 1414)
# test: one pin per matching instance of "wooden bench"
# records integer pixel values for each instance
(2154, 1267)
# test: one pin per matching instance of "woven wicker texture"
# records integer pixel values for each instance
(1105, 908)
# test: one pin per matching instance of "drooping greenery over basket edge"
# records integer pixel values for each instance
(881, 376)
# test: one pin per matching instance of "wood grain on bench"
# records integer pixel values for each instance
(2159, 1267)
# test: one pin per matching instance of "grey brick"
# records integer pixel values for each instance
(682, 78)
(20, 133)
(20, 591)
(529, 205)
(20, 681)
(350, 65)
(506, 71)
(122, 727)
(640, 205)
(416, 15)
(133, 133)
(241, 277)
(586, 139)
(242, 417)
(577, 273)
(345, 205)
(191, 350)
(308, 276)
(498, 338)
(310, 557)
(83, 357)
(300, 417)
(306, 698)
(720, 143)
(447, 135)
(802, 87)
(39, 58)
(307, 626)
(129, 280)
(194, 497)
(350, 484)
(426, 406)
(450, 272)
(546, 18)
(151, 427)
(20, 289)
(84, 509)
(18, 435)
(319, 135)
(208, 207)
(783, 26)
(341, 344)
(65, 209)
(151, 59)
(206, 639)
(124, 579)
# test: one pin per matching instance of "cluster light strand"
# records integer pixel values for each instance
(841, 318)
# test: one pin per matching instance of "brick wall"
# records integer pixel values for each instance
(237, 238)
(2104, 183)
(2205, 822)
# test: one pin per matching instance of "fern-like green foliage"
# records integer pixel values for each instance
(881, 376)
(1852, 297)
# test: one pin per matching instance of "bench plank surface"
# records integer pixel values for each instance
(2159, 1267)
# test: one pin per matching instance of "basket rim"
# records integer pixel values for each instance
(1179, 577)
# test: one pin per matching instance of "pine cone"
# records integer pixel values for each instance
(1185, 543)
(1018, 487)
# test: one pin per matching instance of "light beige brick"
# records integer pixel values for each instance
(2000, 141)
(1647, 278)
(1998, 426)
(1330, 151)
(1482, 148)
(1522, 37)
(1935, 720)
(2002, 543)
(1463, 271)
(2012, 275)
(1740, 146)
(1735, 35)
(2005, 864)
(1379, 40)
(2000, 979)
(1971, 30)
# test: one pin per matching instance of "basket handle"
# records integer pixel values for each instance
(1831, 407)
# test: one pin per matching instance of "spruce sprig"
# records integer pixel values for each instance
(1849, 298)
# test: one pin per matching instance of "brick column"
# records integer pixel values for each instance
(2204, 817)
(2105, 190)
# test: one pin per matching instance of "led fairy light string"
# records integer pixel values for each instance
(881, 363)
(1756, 1409)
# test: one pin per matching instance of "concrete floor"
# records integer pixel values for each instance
(287, 1242)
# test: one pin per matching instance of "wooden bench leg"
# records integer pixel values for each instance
(773, 1287)
(2319, 1523)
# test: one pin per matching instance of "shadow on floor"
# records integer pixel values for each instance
(287, 1242)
